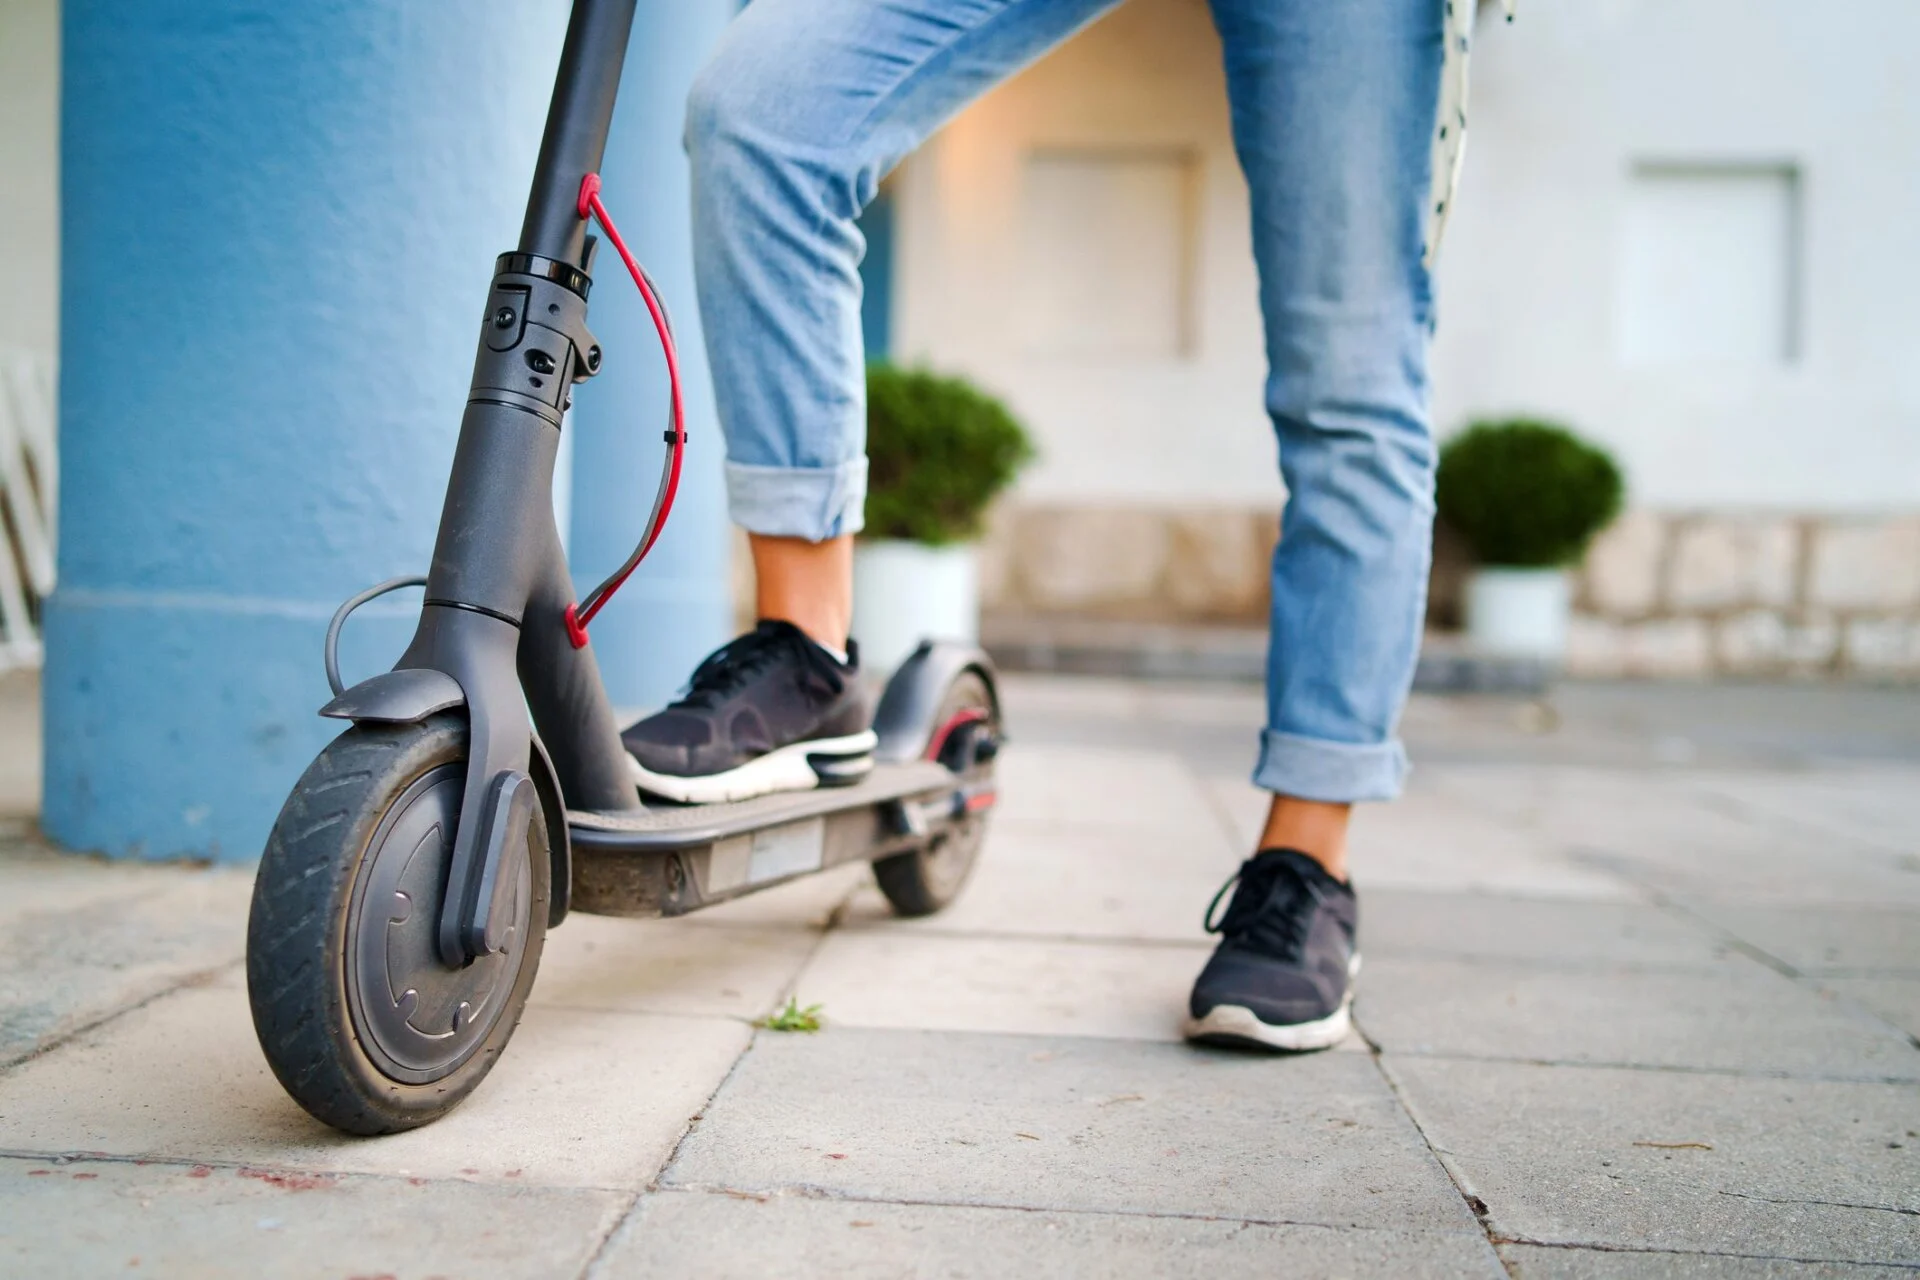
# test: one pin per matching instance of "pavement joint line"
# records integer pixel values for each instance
(1594, 1246)
(1675, 904)
(1217, 805)
(1823, 972)
(66, 1158)
(553, 1006)
(1547, 964)
(601, 1245)
(1474, 1202)
(1830, 1204)
(1670, 1068)
(813, 1191)
(787, 989)
(828, 1024)
(906, 929)
(197, 978)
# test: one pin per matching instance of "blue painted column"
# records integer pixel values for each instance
(278, 224)
(678, 606)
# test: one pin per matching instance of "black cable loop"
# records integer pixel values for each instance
(340, 620)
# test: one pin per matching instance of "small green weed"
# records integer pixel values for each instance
(792, 1018)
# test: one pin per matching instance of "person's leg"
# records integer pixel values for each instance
(1333, 116)
(803, 109)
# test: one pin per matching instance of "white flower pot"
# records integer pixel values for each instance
(1519, 612)
(906, 592)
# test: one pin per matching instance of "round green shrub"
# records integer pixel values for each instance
(938, 451)
(1526, 494)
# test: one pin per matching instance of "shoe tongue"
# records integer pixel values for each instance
(778, 628)
(1277, 887)
(1305, 865)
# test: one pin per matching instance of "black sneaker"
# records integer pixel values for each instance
(771, 711)
(1282, 977)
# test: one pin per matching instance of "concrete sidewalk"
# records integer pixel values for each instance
(1641, 998)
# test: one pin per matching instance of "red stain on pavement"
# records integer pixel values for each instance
(200, 1171)
(291, 1181)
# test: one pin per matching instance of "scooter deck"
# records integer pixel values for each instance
(671, 859)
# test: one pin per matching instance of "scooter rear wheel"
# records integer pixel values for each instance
(925, 880)
(360, 1020)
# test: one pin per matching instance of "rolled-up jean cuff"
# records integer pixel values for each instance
(1337, 772)
(815, 503)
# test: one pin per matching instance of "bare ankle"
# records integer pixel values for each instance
(1316, 828)
(809, 584)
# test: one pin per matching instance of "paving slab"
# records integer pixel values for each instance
(665, 966)
(101, 941)
(1099, 787)
(95, 1218)
(1534, 1262)
(1407, 924)
(1895, 999)
(945, 983)
(1428, 841)
(1863, 803)
(1665, 1160)
(1041, 697)
(677, 1233)
(35, 877)
(1737, 1015)
(1826, 939)
(1063, 1124)
(579, 1098)
(1063, 880)
(1662, 831)
(1705, 875)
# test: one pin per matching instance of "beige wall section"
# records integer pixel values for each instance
(1685, 227)
(1077, 241)
(30, 172)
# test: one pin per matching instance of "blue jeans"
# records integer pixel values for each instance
(808, 103)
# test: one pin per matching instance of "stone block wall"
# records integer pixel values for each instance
(1681, 594)
(1129, 563)
(1697, 593)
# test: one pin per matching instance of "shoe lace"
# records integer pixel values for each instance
(1270, 911)
(729, 668)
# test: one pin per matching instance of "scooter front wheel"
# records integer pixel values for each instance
(359, 1018)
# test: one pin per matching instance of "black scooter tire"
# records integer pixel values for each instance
(317, 859)
(926, 880)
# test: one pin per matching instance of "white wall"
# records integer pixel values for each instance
(29, 172)
(1544, 304)
(1107, 289)
(1691, 228)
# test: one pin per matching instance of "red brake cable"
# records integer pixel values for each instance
(579, 615)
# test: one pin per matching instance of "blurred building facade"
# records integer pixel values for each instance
(1683, 230)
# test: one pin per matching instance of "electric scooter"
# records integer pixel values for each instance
(481, 791)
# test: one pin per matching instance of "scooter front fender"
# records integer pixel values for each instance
(410, 695)
(397, 697)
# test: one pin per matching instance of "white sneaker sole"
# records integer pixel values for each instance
(1236, 1024)
(784, 769)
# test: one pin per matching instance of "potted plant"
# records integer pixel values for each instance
(1527, 497)
(938, 451)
